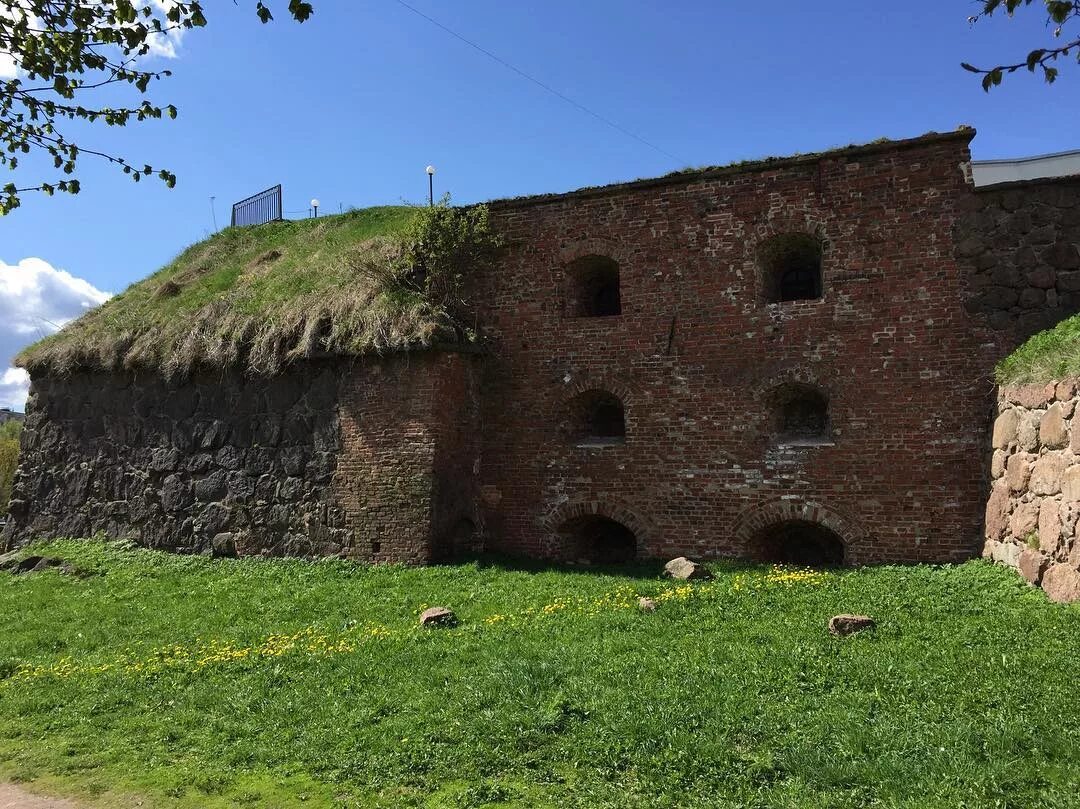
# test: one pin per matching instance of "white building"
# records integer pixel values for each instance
(992, 172)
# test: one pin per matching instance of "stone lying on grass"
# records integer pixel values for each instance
(438, 616)
(646, 604)
(34, 564)
(683, 568)
(844, 625)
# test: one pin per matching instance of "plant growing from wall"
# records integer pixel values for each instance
(439, 247)
(443, 243)
(9, 459)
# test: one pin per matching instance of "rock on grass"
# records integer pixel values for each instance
(844, 625)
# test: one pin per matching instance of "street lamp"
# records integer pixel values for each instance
(431, 185)
(315, 205)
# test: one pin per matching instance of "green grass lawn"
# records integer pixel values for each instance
(195, 682)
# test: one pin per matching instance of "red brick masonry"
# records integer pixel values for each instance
(697, 355)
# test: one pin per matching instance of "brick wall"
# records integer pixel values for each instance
(408, 448)
(925, 284)
(697, 356)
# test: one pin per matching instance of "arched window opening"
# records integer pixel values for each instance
(459, 539)
(597, 417)
(801, 415)
(791, 268)
(800, 543)
(593, 287)
(596, 540)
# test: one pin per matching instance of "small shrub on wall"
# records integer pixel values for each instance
(9, 458)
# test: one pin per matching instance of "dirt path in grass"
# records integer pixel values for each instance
(14, 797)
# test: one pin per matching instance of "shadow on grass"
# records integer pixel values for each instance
(641, 569)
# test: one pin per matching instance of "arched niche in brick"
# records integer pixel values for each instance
(460, 538)
(799, 543)
(595, 417)
(796, 531)
(790, 265)
(597, 540)
(569, 526)
(798, 415)
(592, 287)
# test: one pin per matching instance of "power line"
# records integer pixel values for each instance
(541, 84)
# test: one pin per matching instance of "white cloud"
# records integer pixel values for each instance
(165, 45)
(14, 385)
(162, 45)
(36, 299)
(9, 68)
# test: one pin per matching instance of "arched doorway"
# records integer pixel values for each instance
(799, 542)
(597, 540)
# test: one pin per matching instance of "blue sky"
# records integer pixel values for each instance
(352, 105)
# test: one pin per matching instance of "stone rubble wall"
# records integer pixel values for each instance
(329, 458)
(1020, 242)
(1033, 512)
(220, 463)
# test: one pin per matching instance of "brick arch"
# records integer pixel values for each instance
(765, 394)
(799, 375)
(788, 222)
(597, 382)
(592, 382)
(611, 507)
(593, 246)
(766, 515)
(783, 224)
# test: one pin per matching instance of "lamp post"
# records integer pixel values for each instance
(431, 185)
(315, 205)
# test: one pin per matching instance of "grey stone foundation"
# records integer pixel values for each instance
(222, 463)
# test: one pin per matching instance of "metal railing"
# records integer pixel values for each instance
(258, 208)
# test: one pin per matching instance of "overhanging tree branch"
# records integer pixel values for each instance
(1059, 14)
(68, 47)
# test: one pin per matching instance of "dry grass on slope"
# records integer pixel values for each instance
(260, 297)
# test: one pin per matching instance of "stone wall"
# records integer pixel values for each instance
(331, 458)
(1020, 242)
(226, 461)
(1033, 512)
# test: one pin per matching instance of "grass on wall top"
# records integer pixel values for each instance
(1048, 355)
(257, 296)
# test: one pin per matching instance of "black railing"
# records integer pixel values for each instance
(262, 207)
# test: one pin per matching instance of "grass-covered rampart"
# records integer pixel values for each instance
(366, 281)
